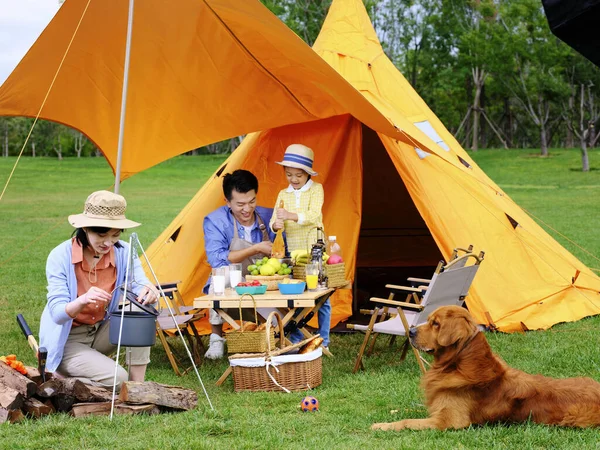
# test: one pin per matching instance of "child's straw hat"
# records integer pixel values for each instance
(300, 157)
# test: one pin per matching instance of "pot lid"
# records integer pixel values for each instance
(131, 297)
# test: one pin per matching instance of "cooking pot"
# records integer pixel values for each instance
(139, 324)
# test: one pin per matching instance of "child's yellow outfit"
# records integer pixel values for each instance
(307, 202)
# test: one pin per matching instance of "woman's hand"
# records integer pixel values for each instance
(148, 295)
(92, 296)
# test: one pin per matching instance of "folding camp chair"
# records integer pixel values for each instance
(449, 286)
(166, 328)
(420, 285)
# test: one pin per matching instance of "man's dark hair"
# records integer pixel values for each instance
(241, 180)
(82, 239)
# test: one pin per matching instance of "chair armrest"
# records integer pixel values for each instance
(395, 287)
(405, 305)
(419, 280)
(169, 285)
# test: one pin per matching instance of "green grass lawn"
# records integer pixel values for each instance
(33, 220)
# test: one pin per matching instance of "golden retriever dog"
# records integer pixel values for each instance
(468, 384)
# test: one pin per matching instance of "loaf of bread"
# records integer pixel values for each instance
(311, 346)
(249, 326)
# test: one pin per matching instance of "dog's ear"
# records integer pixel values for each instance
(453, 329)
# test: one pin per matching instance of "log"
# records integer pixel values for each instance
(17, 381)
(11, 415)
(34, 374)
(74, 387)
(103, 409)
(159, 394)
(10, 398)
(34, 408)
(63, 402)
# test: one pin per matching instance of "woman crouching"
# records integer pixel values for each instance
(83, 274)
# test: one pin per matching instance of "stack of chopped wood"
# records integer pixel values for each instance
(26, 396)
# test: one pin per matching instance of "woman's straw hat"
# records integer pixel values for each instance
(300, 157)
(103, 209)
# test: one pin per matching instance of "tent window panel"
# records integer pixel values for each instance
(421, 153)
(426, 128)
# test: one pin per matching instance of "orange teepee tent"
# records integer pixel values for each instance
(400, 191)
(392, 204)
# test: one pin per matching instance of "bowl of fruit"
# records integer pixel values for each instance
(253, 287)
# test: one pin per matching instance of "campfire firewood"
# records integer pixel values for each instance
(160, 394)
(35, 408)
(15, 380)
(74, 388)
(10, 398)
(11, 415)
(20, 397)
(103, 409)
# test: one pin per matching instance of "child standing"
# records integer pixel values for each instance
(303, 202)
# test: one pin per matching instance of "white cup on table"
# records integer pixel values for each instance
(218, 280)
(235, 275)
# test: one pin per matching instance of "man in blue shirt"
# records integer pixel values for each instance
(235, 233)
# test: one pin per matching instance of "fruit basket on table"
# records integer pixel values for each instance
(268, 271)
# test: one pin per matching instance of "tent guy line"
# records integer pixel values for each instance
(37, 116)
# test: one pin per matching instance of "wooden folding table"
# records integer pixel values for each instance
(298, 307)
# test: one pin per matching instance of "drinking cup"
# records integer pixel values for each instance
(218, 281)
(312, 276)
(235, 275)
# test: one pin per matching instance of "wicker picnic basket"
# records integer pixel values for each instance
(336, 274)
(239, 341)
(274, 371)
(271, 281)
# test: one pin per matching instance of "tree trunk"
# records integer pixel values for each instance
(543, 140)
(32, 149)
(570, 140)
(478, 79)
(585, 160)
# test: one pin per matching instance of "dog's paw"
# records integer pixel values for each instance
(382, 426)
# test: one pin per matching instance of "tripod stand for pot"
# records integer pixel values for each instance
(134, 244)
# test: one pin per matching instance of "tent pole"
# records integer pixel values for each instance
(124, 97)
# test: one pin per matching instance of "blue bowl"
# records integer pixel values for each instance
(254, 290)
(290, 289)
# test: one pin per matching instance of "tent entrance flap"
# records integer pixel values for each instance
(394, 241)
(392, 232)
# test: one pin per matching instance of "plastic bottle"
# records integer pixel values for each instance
(334, 248)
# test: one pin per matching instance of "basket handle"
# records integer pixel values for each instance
(268, 330)
(240, 306)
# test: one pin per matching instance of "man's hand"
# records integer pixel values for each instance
(264, 247)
